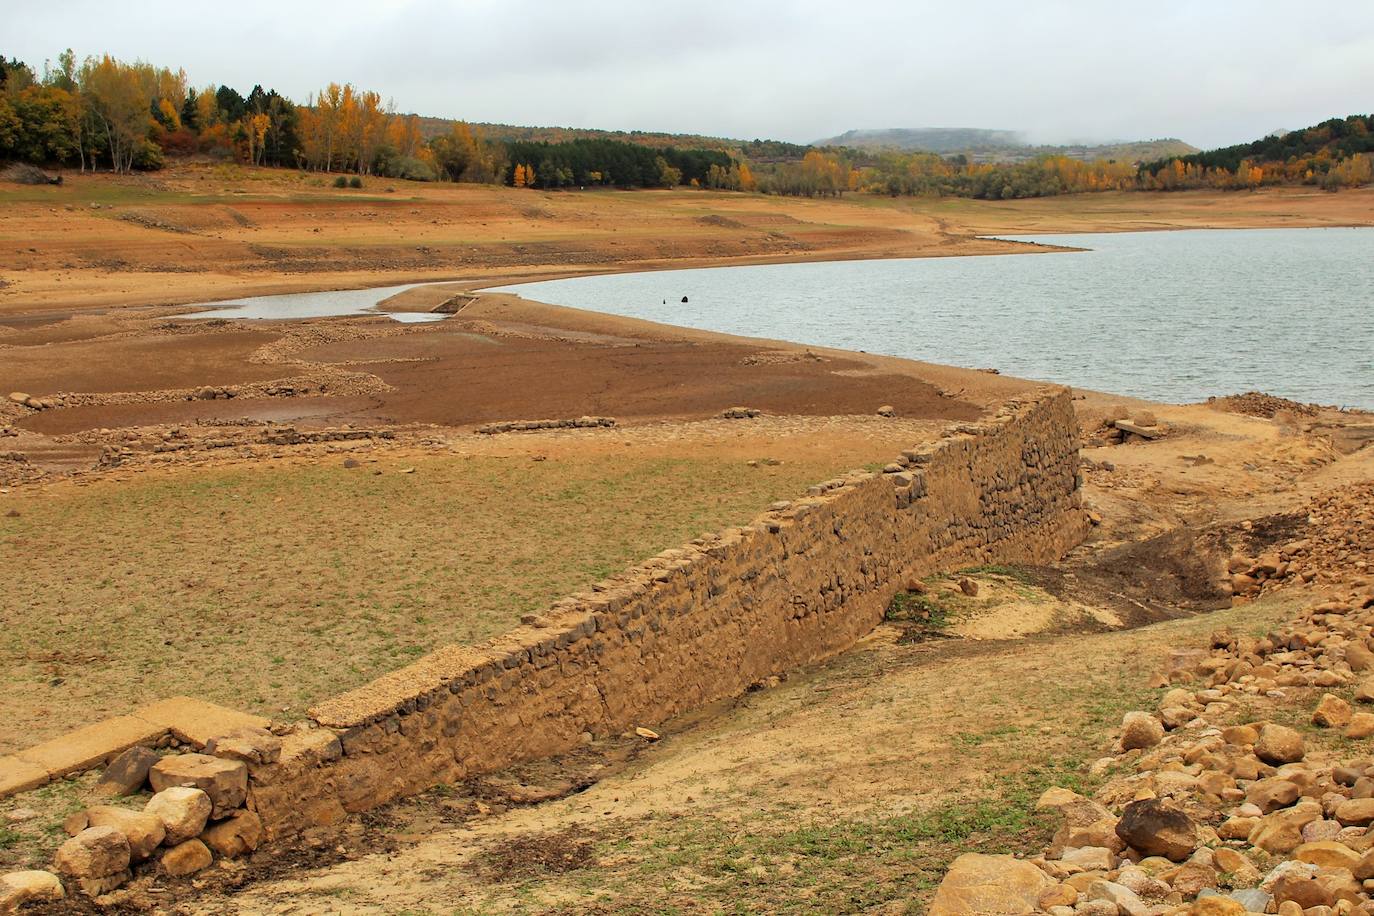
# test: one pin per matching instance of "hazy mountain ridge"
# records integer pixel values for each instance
(986, 145)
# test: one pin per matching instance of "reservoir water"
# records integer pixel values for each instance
(314, 305)
(1172, 316)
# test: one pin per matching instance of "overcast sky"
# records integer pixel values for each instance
(1211, 72)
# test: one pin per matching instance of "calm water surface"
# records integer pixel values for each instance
(315, 305)
(1171, 316)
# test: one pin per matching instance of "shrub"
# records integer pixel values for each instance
(148, 157)
(341, 182)
(355, 182)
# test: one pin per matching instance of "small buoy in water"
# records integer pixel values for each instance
(684, 298)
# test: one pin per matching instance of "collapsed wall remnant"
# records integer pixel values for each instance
(694, 624)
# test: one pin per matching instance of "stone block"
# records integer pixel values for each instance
(224, 781)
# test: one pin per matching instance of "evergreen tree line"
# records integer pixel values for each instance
(613, 163)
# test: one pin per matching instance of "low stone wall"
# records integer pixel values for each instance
(694, 624)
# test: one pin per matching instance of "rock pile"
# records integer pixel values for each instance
(1259, 404)
(33, 403)
(197, 812)
(740, 413)
(1339, 536)
(520, 426)
(1219, 812)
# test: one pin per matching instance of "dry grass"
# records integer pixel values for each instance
(269, 588)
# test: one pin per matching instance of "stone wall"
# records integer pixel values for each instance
(694, 624)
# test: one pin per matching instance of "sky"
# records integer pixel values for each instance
(1211, 72)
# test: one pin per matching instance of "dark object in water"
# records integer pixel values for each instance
(684, 298)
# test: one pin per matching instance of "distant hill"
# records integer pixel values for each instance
(927, 139)
(983, 145)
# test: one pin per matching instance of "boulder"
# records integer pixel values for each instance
(978, 884)
(1281, 832)
(1331, 712)
(127, 773)
(1156, 827)
(1240, 734)
(1235, 863)
(99, 887)
(19, 397)
(224, 781)
(186, 859)
(238, 834)
(183, 812)
(144, 831)
(1192, 877)
(1328, 854)
(1304, 890)
(1126, 901)
(1140, 730)
(252, 746)
(1089, 858)
(1365, 692)
(1355, 812)
(1279, 744)
(21, 888)
(1361, 725)
(93, 853)
(1271, 794)
(1358, 656)
(1216, 906)
(1058, 895)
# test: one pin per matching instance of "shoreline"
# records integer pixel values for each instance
(68, 257)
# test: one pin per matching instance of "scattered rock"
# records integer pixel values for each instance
(1140, 730)
(1279, 744)
(186, 859)
(93, 853)
(1156, 827)
(183, 812)
(144, 831)
(1331, 712)
(252, 746)
(981, 884)
(968, 587)
(20, 888)
(224, 781)
(127, 773)
(238, 834)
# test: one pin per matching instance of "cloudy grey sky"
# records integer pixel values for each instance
(1209, 71)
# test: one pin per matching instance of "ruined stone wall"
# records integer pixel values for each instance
(806, 580)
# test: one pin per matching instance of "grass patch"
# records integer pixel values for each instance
(269, 588)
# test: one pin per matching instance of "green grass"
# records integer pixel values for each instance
(922, 611)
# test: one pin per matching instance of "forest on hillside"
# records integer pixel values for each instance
(103, 113)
